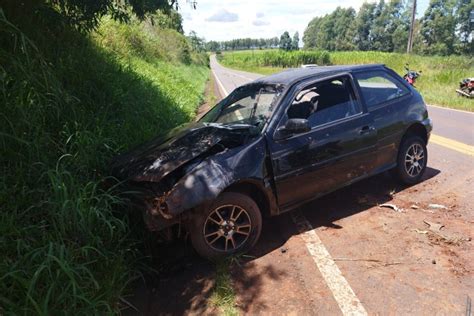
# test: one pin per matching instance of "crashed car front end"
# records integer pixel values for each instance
(190, 166)
(186, 179)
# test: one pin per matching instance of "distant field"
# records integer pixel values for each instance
(440, 77)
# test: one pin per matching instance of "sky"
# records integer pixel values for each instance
(228, 19)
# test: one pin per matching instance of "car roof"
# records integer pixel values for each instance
(293, 75)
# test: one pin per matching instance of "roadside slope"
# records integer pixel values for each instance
(69, 102)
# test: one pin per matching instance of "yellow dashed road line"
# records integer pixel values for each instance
(452, 144)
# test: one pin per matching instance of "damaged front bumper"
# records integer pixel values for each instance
(196, 188)
(155, 215)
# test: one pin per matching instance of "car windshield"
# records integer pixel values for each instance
(251, 104)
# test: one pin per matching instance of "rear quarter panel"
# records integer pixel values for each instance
(392, 119)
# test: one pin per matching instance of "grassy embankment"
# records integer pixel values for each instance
(440, 77)
(69, 102)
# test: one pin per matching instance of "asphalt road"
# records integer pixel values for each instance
(344, 254)
(453, 124)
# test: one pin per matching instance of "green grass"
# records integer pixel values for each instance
(211, 97)
(439, 80)
(223, 295)
(70, 102)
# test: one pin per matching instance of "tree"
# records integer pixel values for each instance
(276, 42)
(343, 28)
(168, 20)
(326, 38)
(212, 46)
(438, 27)
(197, 43)
(400, 27)
(389, 18)
(384, 26)
(363, 25)
(320, 33)
(85, 14)
(380, 39)
(332, 32)
(295, 43)
(463, 27)
(309, 35)
(285, 41)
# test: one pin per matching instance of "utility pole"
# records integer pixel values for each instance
(412, 28)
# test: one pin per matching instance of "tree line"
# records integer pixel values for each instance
(243, 43)
(443, 29)
(285, 42)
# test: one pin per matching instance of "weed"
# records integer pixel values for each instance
(223, 295)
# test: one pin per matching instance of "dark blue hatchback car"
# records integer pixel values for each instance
(274, 144)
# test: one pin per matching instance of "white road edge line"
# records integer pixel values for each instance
(221, 86)
(340, 288)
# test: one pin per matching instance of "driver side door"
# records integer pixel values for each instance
(338, 148)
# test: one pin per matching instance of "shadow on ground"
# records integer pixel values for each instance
(185, 282)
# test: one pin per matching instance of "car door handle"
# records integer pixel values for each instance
(366, 129)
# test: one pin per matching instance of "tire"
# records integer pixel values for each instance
(236, 231)
(411, 171)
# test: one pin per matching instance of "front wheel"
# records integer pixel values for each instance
(412, 160)
(231, 225)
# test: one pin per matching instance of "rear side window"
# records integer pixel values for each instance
(379, 86)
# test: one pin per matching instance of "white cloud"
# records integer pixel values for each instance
(187, 16)
(260, 22)
(256, 19)
(223, 16)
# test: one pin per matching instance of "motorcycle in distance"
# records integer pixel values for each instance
(466, 88)
(411, 75)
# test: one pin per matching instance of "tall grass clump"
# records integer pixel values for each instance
(67, 105)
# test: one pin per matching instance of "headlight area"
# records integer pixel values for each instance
(157, 215)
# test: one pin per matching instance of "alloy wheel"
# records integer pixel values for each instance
(414, 160)
(227, 228)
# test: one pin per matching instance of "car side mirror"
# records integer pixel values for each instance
(294, 126)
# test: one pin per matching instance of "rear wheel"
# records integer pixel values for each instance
(412, 160)
(231, 225)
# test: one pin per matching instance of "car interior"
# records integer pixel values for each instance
(325, 102)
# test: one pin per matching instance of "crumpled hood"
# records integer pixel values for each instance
(156, 159)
